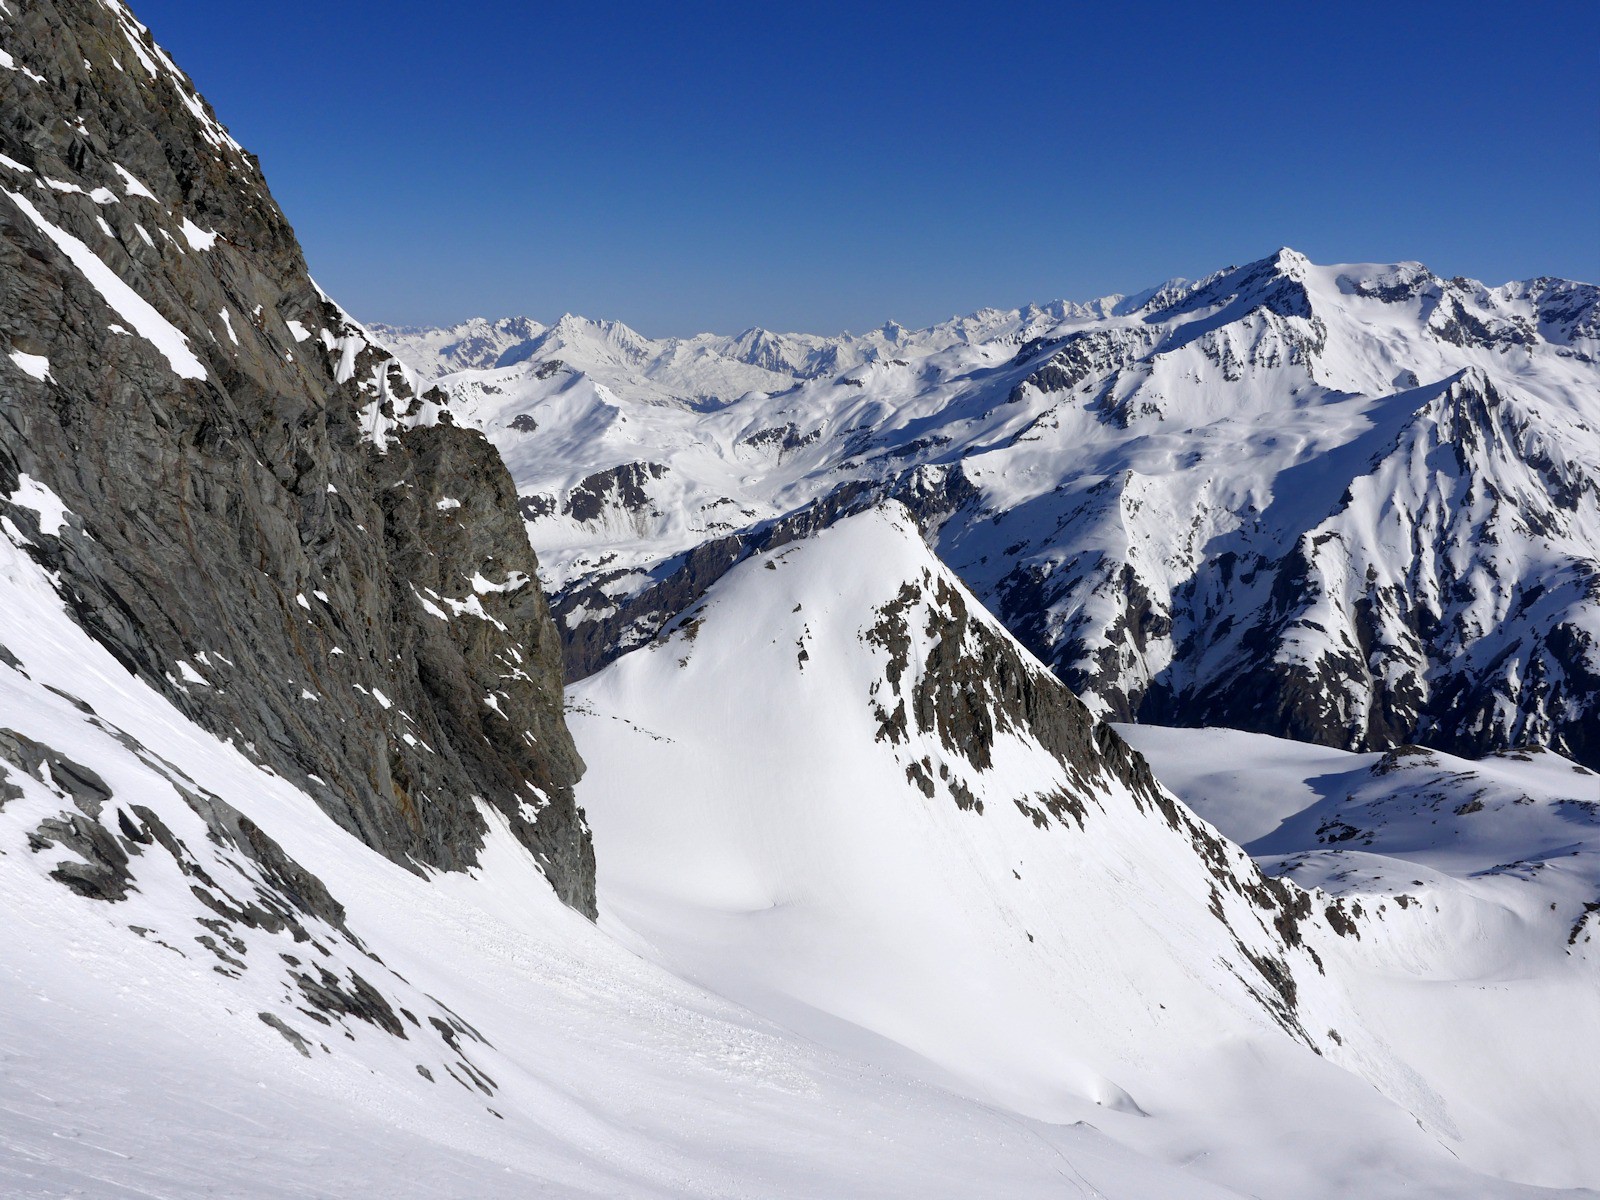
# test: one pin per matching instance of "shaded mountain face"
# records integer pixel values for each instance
(241, 496)
(1451, 596)
(1354, 504)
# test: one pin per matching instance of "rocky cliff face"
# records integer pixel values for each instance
(1447, 597)
(244, 499)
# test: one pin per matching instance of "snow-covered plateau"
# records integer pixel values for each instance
(1130, 749)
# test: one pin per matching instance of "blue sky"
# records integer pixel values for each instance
(828, 166)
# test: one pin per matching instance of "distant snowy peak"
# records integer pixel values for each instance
(714, 369)
(1459, 311)
(1352, 503)
(710, 367)
(472, 344)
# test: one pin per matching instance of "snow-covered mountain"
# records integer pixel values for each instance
(297, 890)
(875, 876)
(210, 988)
(1354, 504)
(838, 792)
(708, 370)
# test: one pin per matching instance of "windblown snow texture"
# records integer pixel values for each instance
(1356, 504)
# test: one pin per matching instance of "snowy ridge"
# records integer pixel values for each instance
(1228, 479)
(205, 993)
(399, 398)
(906, 700)
(909, 855)
(707, 370)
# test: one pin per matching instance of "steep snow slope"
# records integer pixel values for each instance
(838, 793)
(202, 995)
(1351, 504)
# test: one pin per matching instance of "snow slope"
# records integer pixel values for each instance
(1486, 877)
(811, 977)
(210, 988)
(759, 832)
(1352, 504)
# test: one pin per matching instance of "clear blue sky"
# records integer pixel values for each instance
(825, 166)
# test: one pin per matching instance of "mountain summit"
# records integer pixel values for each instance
(1354, 504)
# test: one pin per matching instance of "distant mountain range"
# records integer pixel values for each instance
(319, 876)
(709, 368)
(1358, 504)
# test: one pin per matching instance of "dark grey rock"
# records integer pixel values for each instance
(619, 487)
(972, 683)
(205, 510)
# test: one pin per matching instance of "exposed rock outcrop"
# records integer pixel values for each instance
(262, 517)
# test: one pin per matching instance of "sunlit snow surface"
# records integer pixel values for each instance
(1201, 390)
(133, 1068)
(808, 978)
(1487, 977)
(753, 835)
